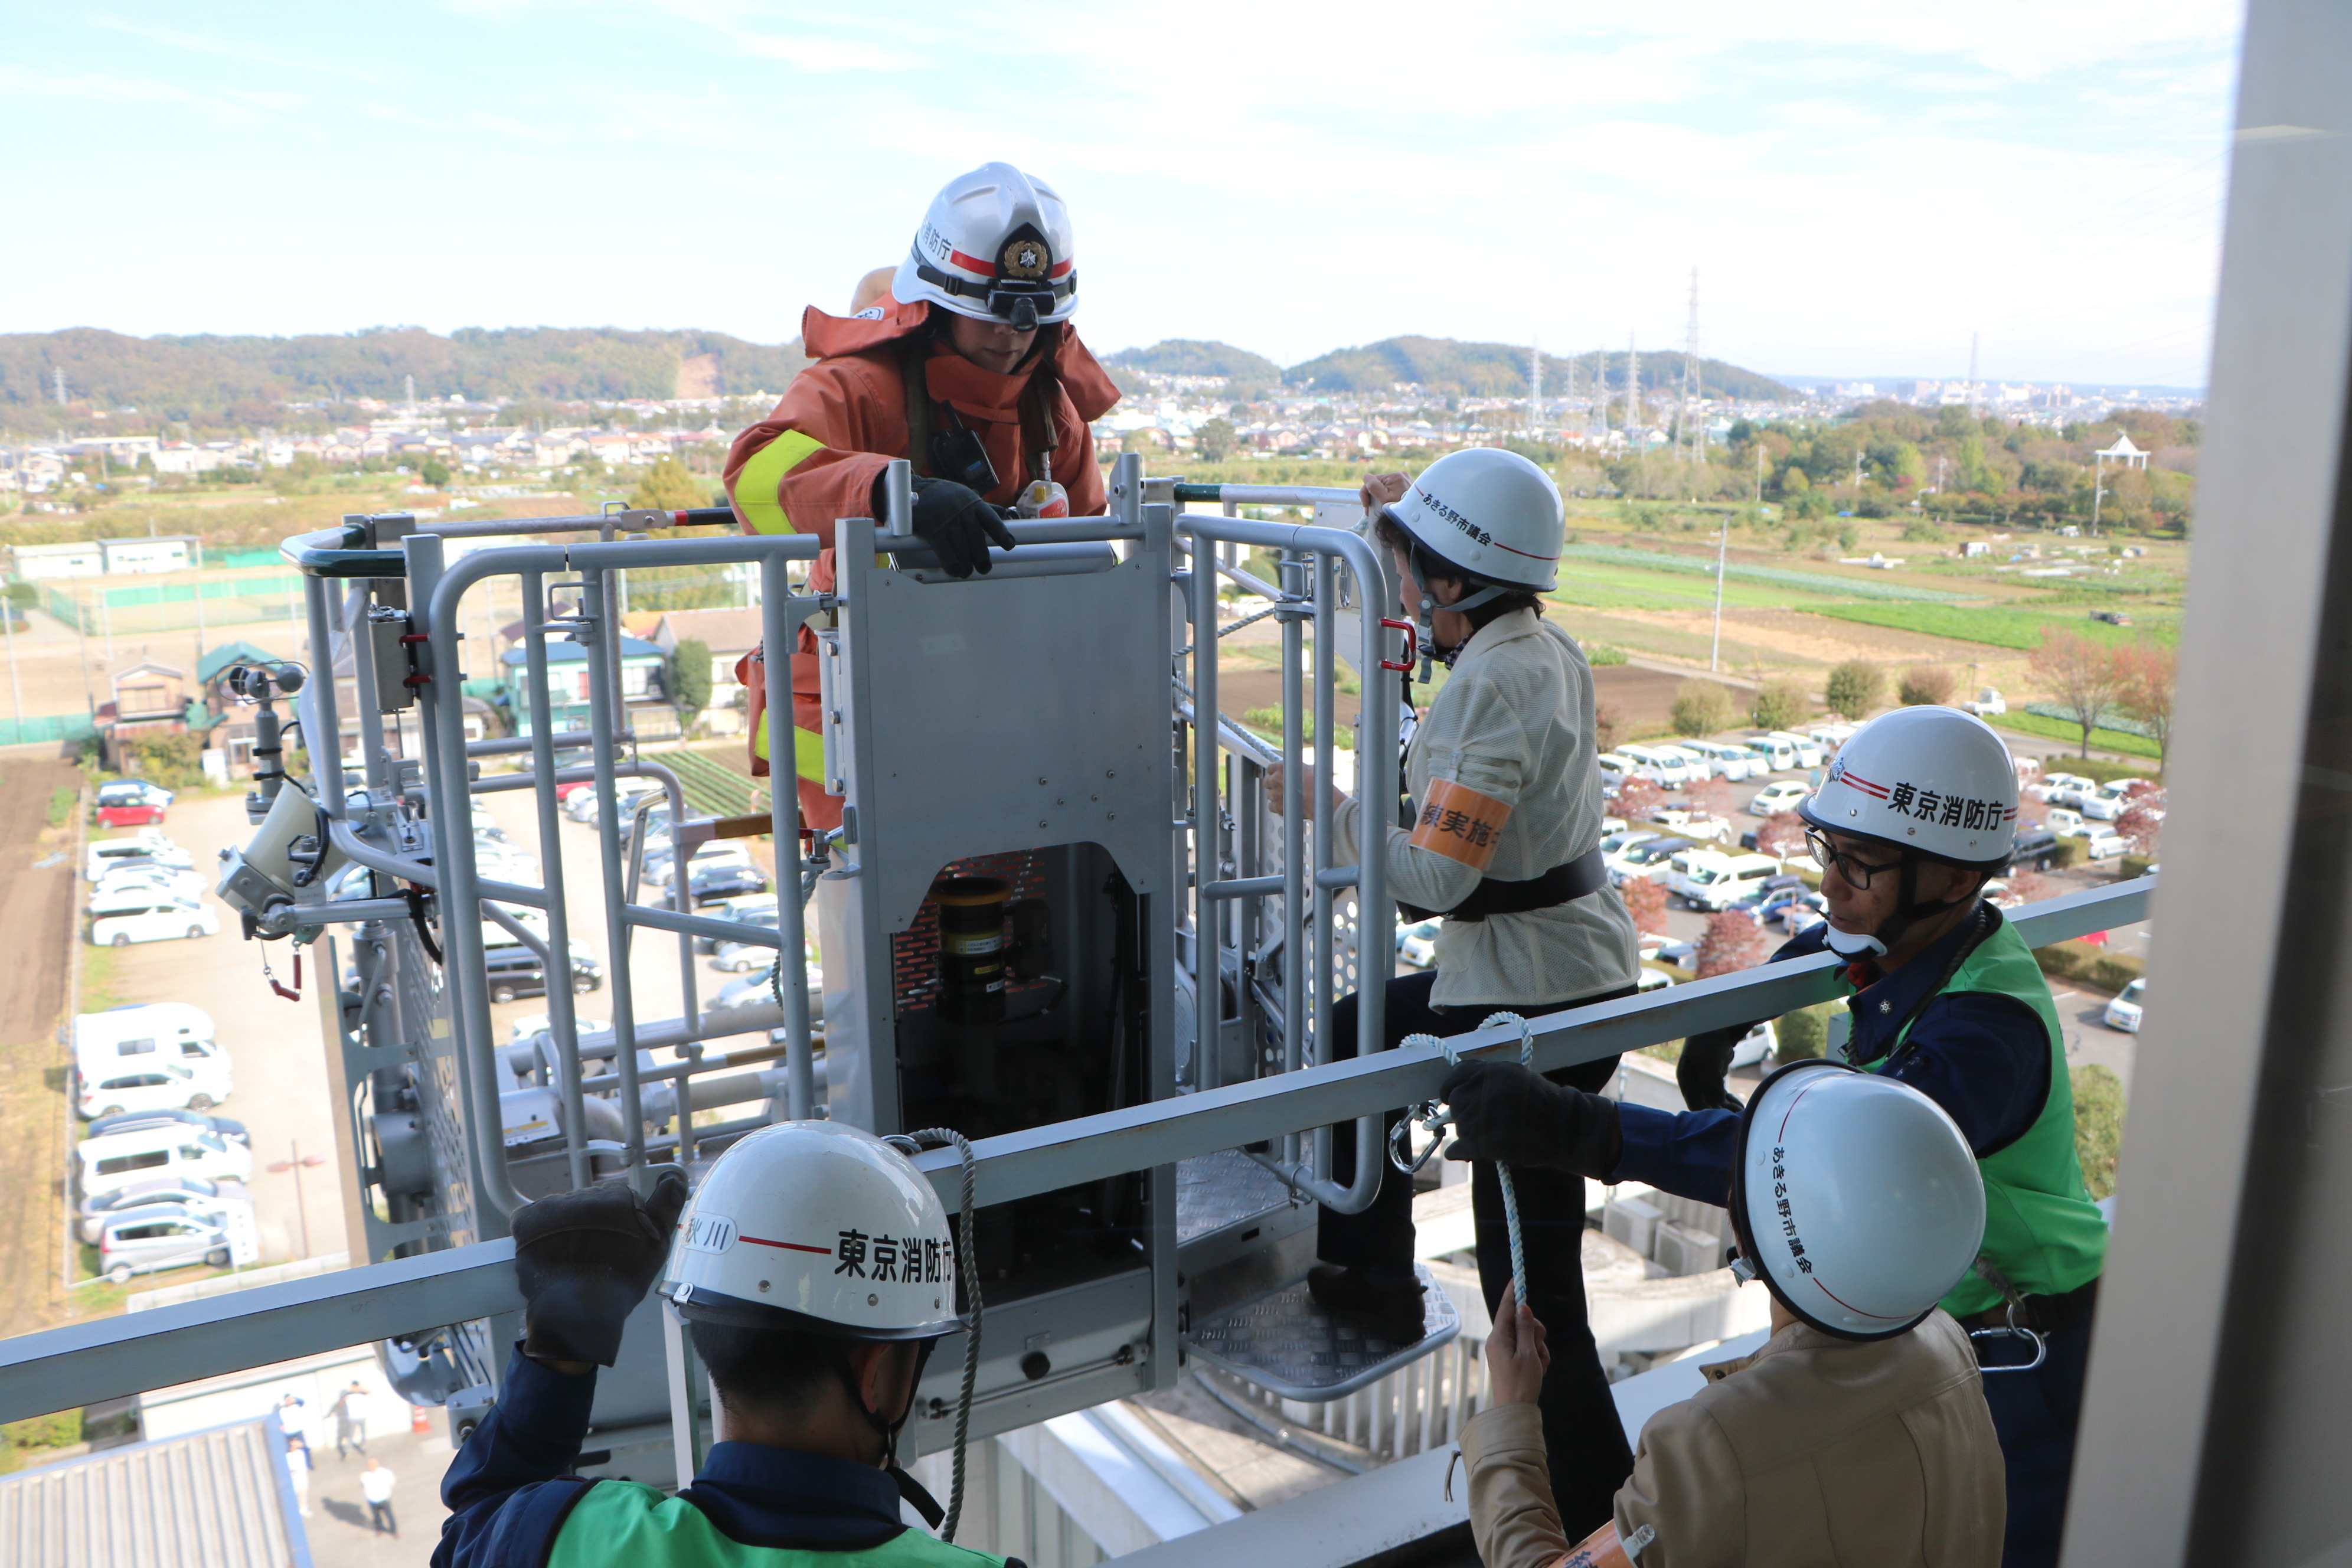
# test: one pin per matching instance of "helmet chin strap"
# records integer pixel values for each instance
(883, 1427)
(1430, 648)
(1909, 911)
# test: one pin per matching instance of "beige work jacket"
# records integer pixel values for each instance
(1814, 1452)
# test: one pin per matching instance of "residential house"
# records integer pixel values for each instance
(644, 688)
(728, 635)
(33, 563)
(150, 699)
(165, 553)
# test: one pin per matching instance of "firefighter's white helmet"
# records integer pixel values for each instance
(1854, 1198)
(816, 1225)
(1490, 512)
(995, 245)
(1934, 779)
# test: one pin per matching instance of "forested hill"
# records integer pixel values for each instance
(177, 378)
(1193, 356)
(1500, 369)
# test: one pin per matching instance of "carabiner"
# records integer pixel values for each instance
(1412, 640)
(2041, 1344)
(1434, 1120)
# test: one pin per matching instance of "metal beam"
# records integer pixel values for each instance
(60, 1369)
(110, 1358)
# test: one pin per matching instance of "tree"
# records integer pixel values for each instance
(2098, 1126)
(174, 762)
(1780, 705)
(690, 675)
(1714, 797)
(1216, 439)
(1782, 836)
(1701, 708)
(2031, 887)
(2080, 673)
(2142, 823)
(1733, 942)
(667, 486)
(2147, 673)
(1855, 687)
(1606, 723)
(1924, 685)
(1637, 798)
(433, 472)
(1645, 901)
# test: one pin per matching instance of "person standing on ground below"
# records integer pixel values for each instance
(375, 1485)
(297, 1470)
(1502, 841)
(967, 366)
(1917, 812)
(350, 1419)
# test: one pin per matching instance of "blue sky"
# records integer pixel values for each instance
(1861, 183)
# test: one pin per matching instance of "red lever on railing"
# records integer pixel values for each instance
(1413, 644)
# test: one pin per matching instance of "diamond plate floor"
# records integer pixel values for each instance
(1215, 1191)
(1283, 1341)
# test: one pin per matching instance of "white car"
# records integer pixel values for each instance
(2063, 822)
(1709, 880)
(1693, 824)
(154, 1083)
(146, 879)
(1756, 1044)
(2104, 844)
(1614, 771)
(1986, 703)
(2130, 1003)
(1776, 798)
(1777, 754)
(148, 844)
(111, 1162)
(1661, 765)
(2111, 801)
(2067, 789)
(157, 918)
(1417, 944)
(533, 1024)
(1733, 765)
(1808, 750)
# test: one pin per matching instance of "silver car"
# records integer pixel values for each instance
(161, 1236)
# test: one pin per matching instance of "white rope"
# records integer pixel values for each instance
(1502, 1171)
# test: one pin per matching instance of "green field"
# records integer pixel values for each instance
(2060, 730)
(2018, 626)
(1828, 583)
(1601, 586)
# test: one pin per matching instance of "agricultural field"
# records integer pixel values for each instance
(2011, 625)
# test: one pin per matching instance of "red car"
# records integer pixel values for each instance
(131, 803)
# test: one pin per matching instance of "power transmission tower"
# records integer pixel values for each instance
(57, 379)
(1633, 388)
(1975, 412)
(1535, 389)
(1690, 393)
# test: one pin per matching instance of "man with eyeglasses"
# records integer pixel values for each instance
(1917, 814)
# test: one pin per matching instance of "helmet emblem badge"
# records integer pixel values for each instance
(1024, 258)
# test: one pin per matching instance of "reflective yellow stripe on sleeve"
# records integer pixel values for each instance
(756, 481)
(808, 750)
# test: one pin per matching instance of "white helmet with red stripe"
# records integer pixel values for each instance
(1933, 780)
(1489, 514)
(995, 247)
(816, 1225)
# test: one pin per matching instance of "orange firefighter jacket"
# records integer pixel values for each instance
(815, 459)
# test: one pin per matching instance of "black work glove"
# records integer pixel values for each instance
(1513, 1114)
(1704, 1060)
(956, 524)
(585, 1259)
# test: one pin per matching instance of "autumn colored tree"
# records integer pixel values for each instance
(2146, 673)
(1645, 901)
(2141, 825)
(2030, 887)
(1733, 942)
(1637, 799)
(1926, 685)
(1715, 798)
(2080, 673)
(1782, 836)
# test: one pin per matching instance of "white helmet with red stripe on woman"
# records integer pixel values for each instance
(996, 247)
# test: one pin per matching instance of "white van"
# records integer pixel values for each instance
(1806, 750)
(1663, 766)
(147, 843)
(109, 1164)
(145, 1030)
(153, 917)
(153, 1083)
(1730, 763)
(2111, 800)
(1711, 880)
(1614, 771)
(1778, 754)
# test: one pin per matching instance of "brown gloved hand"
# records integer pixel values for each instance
(585, 1259)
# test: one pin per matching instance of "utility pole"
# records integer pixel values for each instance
(1974, 411)
(1633, 388)
(1722, 544)
(1535, 388)
(1760, 476)
(58, 380)
(16, 692)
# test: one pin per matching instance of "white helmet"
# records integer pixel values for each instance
(1855, 1199)
(1489, 514)
(995, 247)
(819, 1227)
(1933, 780)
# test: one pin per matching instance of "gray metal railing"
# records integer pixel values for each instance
(64, 1368)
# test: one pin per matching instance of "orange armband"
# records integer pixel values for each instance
(1603, 1549)
(1460, 824)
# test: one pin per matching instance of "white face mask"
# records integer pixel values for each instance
(1850, 945)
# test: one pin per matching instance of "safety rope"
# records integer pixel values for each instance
(1502, 1171)
(938, 1137)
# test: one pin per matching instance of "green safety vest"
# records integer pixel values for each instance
(2042, 1231)
(622, 1524)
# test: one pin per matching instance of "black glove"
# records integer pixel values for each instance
(956, 524)
(585, 1259)
(1704, 1060)
(1507, 1113)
